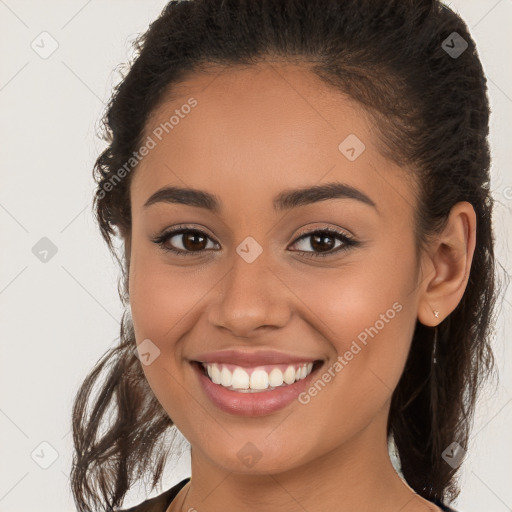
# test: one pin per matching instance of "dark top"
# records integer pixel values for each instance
(162, 501)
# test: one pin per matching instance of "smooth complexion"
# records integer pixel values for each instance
(255, 133)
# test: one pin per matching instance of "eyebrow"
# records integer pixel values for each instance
(285, 200)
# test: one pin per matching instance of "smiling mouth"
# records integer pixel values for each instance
(257, 379)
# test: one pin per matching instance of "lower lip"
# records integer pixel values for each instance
(252, 404)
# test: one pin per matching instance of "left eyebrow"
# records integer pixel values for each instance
(285, 200)
(303, 196)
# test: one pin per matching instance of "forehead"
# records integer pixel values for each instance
(283, 105)
(259, 130)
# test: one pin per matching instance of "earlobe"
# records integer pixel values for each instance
(449, 264)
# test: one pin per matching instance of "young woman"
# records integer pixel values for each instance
(302, 193)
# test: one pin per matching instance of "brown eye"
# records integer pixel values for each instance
(193, 241)
(184, 240)
(323, 242)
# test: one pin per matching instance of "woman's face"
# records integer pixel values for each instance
(253, 282)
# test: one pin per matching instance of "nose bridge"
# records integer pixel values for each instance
(251, 295)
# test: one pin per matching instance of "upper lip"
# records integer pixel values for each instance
(259, 358)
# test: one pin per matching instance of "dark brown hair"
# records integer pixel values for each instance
(432, 114)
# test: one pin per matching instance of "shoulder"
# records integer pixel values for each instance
(158, 503)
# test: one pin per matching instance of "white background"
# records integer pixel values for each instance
(58, 318)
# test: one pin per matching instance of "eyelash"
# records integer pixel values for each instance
(348, 242)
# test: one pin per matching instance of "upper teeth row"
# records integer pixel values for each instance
(259, 378)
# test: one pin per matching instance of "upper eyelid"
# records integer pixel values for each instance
(334, 231)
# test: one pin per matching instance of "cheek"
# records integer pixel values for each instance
(161, 301)
(154, 303)
(161, 296)
(366, 312)
(369, 326)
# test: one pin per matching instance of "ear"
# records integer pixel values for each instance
(446, 265)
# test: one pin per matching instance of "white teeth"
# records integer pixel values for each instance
(289, 375)
(240, 379)
(259, 379)
(275, 378)
(215, 374)
(225, 377)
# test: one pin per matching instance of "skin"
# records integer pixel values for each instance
(254, 133)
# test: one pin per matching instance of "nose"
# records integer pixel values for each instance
(251, 298)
